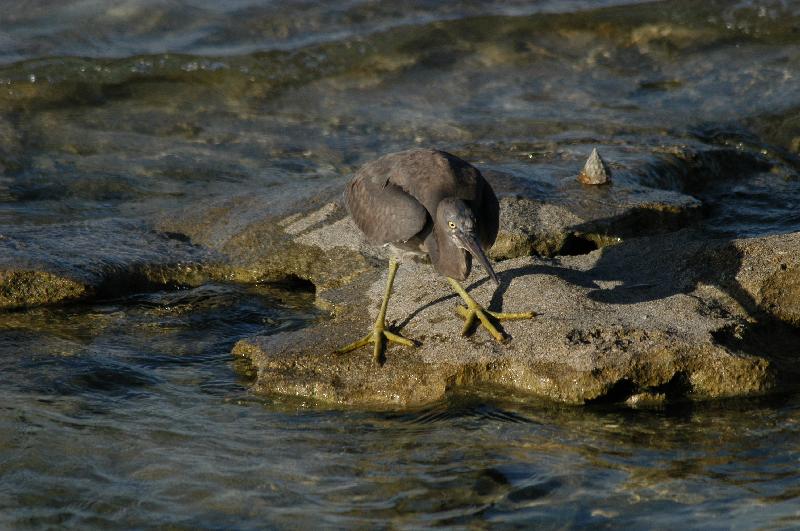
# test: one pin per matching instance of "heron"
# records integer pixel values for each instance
(426, 202)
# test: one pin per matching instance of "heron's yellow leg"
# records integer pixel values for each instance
(473, 311)
(380, 335)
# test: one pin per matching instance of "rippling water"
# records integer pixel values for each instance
(131, 412)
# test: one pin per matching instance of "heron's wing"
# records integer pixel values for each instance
(383, 211)
(487, 214)
(430, 175)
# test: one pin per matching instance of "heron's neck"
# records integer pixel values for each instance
(446, 256)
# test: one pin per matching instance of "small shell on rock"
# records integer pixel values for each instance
(595, 171)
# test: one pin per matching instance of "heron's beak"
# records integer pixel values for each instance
(470, 243)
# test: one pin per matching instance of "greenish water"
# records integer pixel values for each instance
(130, 411)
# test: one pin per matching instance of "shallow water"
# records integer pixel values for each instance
(131, 412)
(137, 417)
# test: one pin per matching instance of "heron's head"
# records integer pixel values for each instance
(458, 222)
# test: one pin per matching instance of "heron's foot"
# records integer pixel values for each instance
(379, 337)
(487, 318)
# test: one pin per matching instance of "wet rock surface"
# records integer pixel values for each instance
(54, 264)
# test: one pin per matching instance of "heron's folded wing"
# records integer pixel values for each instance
(487, 214)
(383, 211)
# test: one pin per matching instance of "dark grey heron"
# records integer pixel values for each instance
(427, 202)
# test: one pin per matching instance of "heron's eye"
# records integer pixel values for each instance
(451, 224)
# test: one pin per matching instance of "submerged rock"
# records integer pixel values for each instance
(10, 150)
(51, 264)
(31, 287)
(645, 317)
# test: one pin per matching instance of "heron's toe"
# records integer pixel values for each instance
(487, 319)
(378, 338)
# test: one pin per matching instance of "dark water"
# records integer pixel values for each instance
(130, 412)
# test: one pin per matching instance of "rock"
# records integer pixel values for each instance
(29, 287)
(646, 317)
(646, 400)
(782, 129)
(595, 171)
(49, 264)
(761, 274)
(294, 234)
(529, 226)
(11, 152)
